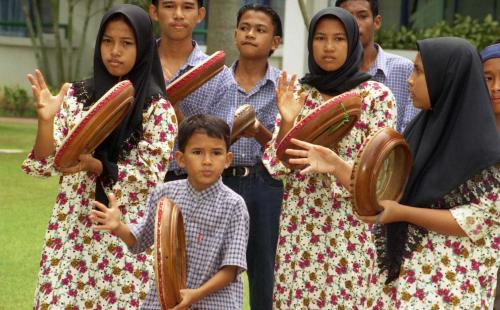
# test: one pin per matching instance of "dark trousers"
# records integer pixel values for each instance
(263, 196)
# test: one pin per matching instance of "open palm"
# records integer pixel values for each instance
(46, 104)
(288, 106)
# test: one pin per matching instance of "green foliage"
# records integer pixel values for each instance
(15, 101)
(479, 33)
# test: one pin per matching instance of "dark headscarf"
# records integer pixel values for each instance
(450, 143)
(348, 75)
(147, 78)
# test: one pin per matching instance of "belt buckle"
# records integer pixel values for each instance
(247, 172)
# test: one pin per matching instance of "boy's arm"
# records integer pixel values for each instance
(221, 279)
(109, 219)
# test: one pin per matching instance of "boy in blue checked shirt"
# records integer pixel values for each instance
(216, 220)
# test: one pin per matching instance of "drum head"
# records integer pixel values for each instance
(380, 172)
(243, 118)
(170, 253)
(195, 77)
(99, 121)
(326, 125)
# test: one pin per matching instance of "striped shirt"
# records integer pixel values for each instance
(216, 225)
(393, 71)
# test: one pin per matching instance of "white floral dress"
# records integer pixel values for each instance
(325, 256)
(449, 272)
(81, 268)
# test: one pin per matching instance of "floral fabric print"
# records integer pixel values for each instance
(85, 269)
(449, 272)
(325, 256)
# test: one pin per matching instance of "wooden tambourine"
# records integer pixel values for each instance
(195, 77)
(99, 121)
(170, 253)
(326, 125)
(245, 117)
(380, 172)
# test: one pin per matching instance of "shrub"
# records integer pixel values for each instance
(479, 33)
(15, 101)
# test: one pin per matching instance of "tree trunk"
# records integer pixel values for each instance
(221, 26)
(54, 6)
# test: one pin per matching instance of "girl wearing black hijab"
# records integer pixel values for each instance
(439, 246)
(80, 267)
(324, 256)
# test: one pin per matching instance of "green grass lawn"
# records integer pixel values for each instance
(25, 207)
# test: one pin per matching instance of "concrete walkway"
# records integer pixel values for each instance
(17, 120)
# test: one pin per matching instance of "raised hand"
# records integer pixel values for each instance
(288, 106)
(46, 104)
(317, 158)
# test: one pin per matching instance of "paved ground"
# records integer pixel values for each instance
(18, 120)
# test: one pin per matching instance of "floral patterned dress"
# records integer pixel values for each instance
(81, 268)
(449, 272)
(325, 256)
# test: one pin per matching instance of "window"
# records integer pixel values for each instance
(12, 21)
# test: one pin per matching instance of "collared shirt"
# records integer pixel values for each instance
(216, 225)
(247, 151)
(393, 71)
(204, 99)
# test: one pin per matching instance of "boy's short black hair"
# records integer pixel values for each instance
(200, 3)
(213, 126)
(373, 6)
(275, 18)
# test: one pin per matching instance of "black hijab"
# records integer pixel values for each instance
(147, 78)
(450, 143)
(348, 75)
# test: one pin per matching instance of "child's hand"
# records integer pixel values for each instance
(87, 163)
(106, 218)
(46, 104)
(288, 106)
(189, 297)
(386, 216)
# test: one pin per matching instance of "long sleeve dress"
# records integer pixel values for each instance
(81, 268)
(450, 272)
(325, 256)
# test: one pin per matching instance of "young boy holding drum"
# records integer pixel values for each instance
(215, 219)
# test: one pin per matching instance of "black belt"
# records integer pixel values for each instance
(241, 171)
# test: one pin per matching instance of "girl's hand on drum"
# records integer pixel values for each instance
(317, 158)
(46, 104)
(105, 218)
(188, 297)
(388, 215)
(87, 163)
(288, 106)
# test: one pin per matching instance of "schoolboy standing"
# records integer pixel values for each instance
(389, 69)
(215, 219)
(257, 35)
(179, 53)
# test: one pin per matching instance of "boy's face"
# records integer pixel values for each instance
(254, 35)
(177, 18)
(367, 23)
(491, 68)
(204, 159)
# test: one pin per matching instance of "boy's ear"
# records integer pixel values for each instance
(229, 159)
(377, 21)
(201, 14)
(153, 12)
(276, 43)
(179, 158)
